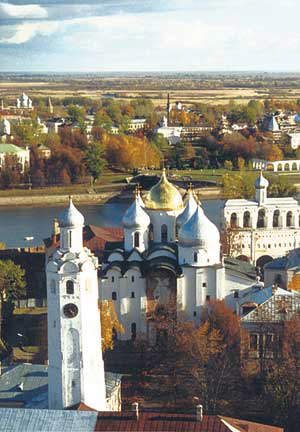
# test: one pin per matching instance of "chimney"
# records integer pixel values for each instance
(199, 413)
(135, 410)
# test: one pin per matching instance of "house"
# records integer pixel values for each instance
(22, 155)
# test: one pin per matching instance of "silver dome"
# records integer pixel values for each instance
(135, 216)
(70, 216)
(261, 182)
(189, 210)
(199, 231)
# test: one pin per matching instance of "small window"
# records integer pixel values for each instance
(132, 294)
(204, 284)
(112, 279)
(54, 323)
(136, 239)
(164, 233)
(195, 313)
(73, 383)
(208, 298)
(114, 295)
(70, 287)
(132, 278)
(195, 257)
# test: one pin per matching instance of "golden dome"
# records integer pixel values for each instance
(163, 196)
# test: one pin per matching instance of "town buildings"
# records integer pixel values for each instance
(265, 227)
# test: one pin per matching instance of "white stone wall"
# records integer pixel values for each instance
(159, 218)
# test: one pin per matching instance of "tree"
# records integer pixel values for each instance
(12, 286)
(239, 185)
(76, 113)
(94, 160)
(294, 284)
(228, 165)
(231, 242)
(109, 324)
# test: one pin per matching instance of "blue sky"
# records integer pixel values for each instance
(149, 35)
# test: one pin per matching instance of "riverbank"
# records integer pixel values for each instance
(114, 196)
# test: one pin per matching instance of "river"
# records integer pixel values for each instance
(19, 222)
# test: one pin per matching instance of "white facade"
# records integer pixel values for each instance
(276, 166)
(4, 127)
(76, 370)
(179, 263)
(266, 227)
(22, 155)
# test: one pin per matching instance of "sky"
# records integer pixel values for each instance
(149, 35)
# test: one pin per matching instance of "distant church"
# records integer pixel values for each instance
(171, 255)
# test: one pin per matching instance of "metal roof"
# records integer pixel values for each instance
(37, 420)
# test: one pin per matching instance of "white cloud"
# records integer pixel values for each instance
(31, 11)
(26, 31)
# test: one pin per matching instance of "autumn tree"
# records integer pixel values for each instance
(110, 324)
(228, 165)
(238, 185)
(241, 163)
(231, 244)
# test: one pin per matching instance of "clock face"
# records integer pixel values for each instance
(70, 310)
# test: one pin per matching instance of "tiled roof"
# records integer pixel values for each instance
(125, 421)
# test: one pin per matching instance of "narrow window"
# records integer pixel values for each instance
(195, 313)
(208, 298)
(195, 257)
(132, 278)
(133, 331)
(70, 239)
(112, 279)
(70, 287)
(114, 295)
(136, 239)
(54, 323)
(132, 294)
(253, 341)
(164, 233)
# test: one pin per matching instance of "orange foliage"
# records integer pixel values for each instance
(295, 283)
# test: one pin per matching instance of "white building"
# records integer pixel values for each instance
(4, 127)
(170, 257)
(137, 124)
(172, 133)
(295, 139)
(22, 155)
(266, 227)
(24, 102)
(76, 370)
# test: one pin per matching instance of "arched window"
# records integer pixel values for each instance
(289, 219)
(114, 295)
(246, 220)
(233, 220)
(164, 233)
(276, 218)
(195, 257)
(132, 278)
(136, 239)
(278, 280)
(70, 287)
(150, 231)
(133, 331)
(261, 219)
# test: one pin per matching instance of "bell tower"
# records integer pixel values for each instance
(76, 369)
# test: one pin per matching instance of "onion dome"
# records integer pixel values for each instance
(261, 182)
(164, 196)
(199, 231)
(70, 216)
(189, 210)
(135, 216)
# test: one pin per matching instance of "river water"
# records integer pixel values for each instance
(19, 222)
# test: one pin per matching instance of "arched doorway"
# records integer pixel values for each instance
(263, 260)
(294, 167)
(261, 218)
(270, 167)
(246, 219)
(279, 168)
(289, 219)
(286, 167)
(233, 220)
(276, 215)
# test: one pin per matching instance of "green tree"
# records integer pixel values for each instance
(12, 282)
(94, 160)
(76, 113)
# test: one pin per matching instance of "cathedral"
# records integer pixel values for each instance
(171, 255)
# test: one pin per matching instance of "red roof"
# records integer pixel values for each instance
(161, 422)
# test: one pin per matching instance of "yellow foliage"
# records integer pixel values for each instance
(295, 283)
(109, 321)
